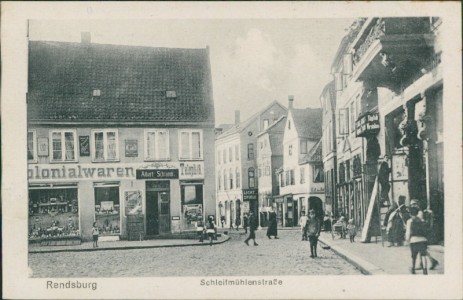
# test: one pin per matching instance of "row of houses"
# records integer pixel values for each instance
(377, 137)
(382, 121)
(125, 137)
(270, 162)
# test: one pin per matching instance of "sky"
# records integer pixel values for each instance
(253, 61)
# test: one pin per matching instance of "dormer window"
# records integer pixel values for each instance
(96, 93)
(171, 94)
(289, 124)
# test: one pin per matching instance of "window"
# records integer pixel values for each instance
(230, 154)
(238, 178)
(352, 117)
(259, 171)
(231, 179)
(291, 177)
(250, 151)
(282, 181)
(225, 180)
(318, 175)
(105, 145)
(251, 178)
(287, 181)
(267, 170)
(157, 145)
(219, 181)
(237, 152)
(107, 209)
(348, 170)
(289, 124)
(301, 170)
(219, 156)
(191, 144)
(303, 146)
(266, 123)
(63, 145)
(31, 147)
(290, 150)
(224, 156)
(192, 204)
(343, 121)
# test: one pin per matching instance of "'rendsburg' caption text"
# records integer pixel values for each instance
(71, 284)
(241, 282)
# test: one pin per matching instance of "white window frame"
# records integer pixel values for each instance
(34, 146)
(237, 152)
(63, 145)
(105, 149)
(156, 150)
(201, 144)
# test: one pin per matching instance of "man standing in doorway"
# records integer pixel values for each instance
(252, 228)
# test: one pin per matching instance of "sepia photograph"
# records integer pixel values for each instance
(242, 152)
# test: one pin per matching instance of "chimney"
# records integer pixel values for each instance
(237, 117)
(86, 38)
(290, 101)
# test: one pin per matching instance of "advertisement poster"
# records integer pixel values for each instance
(193, 212)
(133, 202)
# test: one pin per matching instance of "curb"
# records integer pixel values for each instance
(130, 247)
(364, 266)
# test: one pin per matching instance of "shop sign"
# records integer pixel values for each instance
(114, 171)
(131, 148)
(367, 125)
(157, 174)
(317, 189)
(279, 200)
(84, 145)
(249, 194)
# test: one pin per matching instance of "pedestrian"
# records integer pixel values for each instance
(303, 223)
(252, 229)
(95, 233)
(327, 222)
(211, 229)
(245, 223)
(396, 224)
(200, 230)
(416, 236)
(426, 217)
(237, 222)
(352, 230)
(272, 229)
(313, 230)
(222, 220)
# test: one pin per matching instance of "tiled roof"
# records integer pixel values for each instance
(308, 122)
(243, 125)
(132, 81)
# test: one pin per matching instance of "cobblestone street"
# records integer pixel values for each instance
(285, 256)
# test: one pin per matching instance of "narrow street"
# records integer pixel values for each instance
(285, 256)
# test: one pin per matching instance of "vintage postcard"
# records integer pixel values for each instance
(232, 150)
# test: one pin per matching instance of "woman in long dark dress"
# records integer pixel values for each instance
(272, 225)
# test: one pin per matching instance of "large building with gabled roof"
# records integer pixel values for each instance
(118, 135)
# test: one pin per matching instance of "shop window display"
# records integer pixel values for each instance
(107, 210)
(192, 205)
(53, 213)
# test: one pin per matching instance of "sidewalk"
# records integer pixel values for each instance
(372, 258)
(124, 245)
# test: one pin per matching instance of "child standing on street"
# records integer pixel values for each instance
(313, 230)
(416, 236)
(352, 230)
(303, 223)
(95, 233)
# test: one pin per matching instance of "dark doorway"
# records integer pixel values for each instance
(157, 208)
(316, 204)
(296, 213)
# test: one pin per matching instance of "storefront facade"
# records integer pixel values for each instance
(137, 168)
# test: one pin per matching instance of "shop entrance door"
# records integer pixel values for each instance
(157, 212)
(157, 207)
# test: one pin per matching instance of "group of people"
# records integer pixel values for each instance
(414, 225)
(208, 229)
